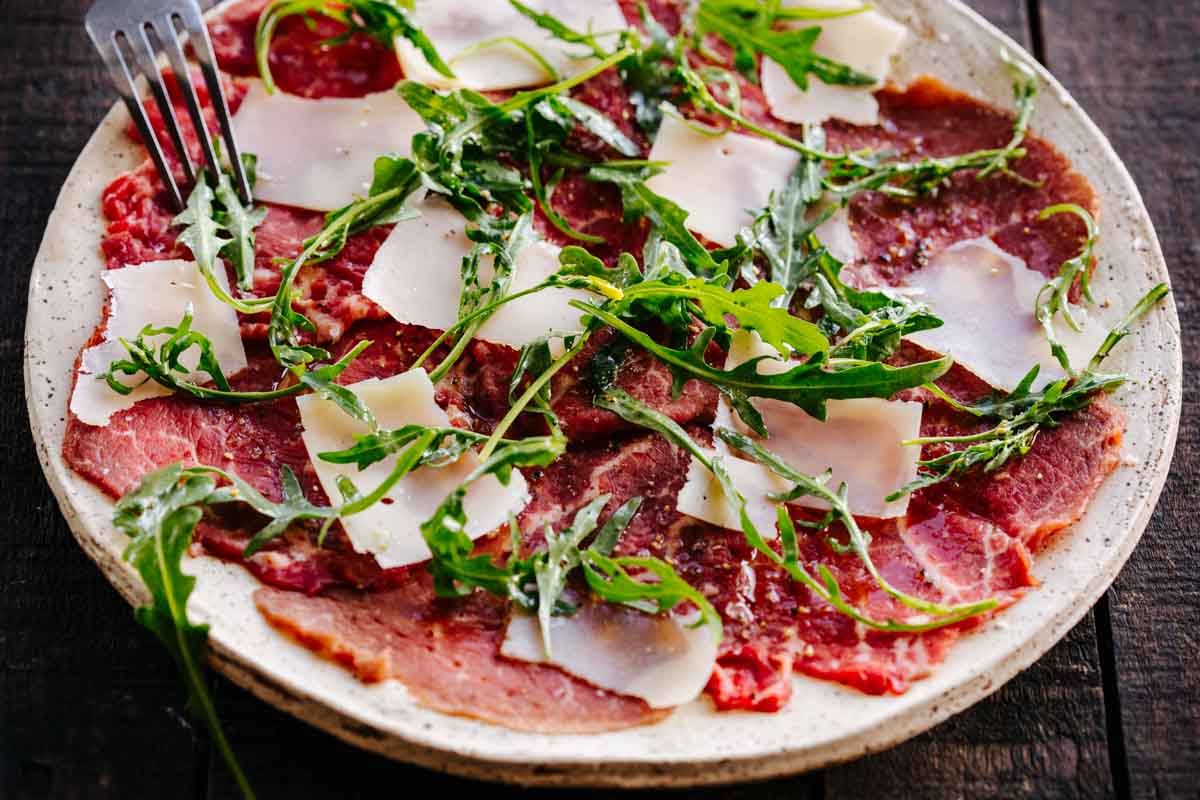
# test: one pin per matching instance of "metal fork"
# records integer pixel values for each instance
(141, 30)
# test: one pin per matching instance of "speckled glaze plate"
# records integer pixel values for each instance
(824, 723)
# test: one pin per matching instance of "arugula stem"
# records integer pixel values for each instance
(859, 541)
(486, 311)
(406, 463)
(530, 393)
(513, 41)
(194, 672)
(625, 406)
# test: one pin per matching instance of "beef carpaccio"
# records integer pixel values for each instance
(962, 540)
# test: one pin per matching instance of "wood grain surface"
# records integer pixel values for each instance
(89, 703)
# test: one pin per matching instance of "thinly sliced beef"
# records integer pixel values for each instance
(253, 440)
(447, 653)
(961, 541)
(302, 60)
(1035, 496)
(928, 118)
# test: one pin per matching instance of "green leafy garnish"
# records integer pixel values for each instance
(855, 173)
(808, 385)
(239, 221)
(159, 517)
(636, 412)
(382, 20)
(1054, 298)
(1024, 413)
(559, 30)
(161, 360)
(859, 541)
(665, 217)
(751, 33)
(205, 234)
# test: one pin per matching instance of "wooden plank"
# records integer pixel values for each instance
(286, 758)
(1136, 69)
(89, 703)
(1043, 734)
(1010, 16)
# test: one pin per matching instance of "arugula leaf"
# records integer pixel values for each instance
(536, 393)
(597, 124)
(239, 221)
(752, 308)
(1055, 296)
(807, 385)
(606, 540)
(561, 556)
(1024, 413)
(456, 572)
(610, 579)
(781, 231)
(874, 323)
(792, 49)
(322, 381)
(859, 542)
(664, 216)
(853, 174)
(164, 365)
(647, 72)
(638, 413)
(160, 517)
(371, 448)
(204, 236)
(477, 302)
(294, 507)
(382, 20)
(395, 180)
(1025, 89)
(534, 360)
(559, 30)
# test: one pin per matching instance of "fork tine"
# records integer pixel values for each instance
(149, 66)
(118, 70)
(202, 46)
(183, 77)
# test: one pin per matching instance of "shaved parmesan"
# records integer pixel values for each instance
(475, 39)
(866, 42)
(987, 298)
(657, 658)
(415, 277)
(703, 498)
(390, 529)
(720, 180)
(860, 443)
(155, 293)
(320, 154)
(837, 237)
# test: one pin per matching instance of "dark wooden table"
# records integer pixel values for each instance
(90, 706)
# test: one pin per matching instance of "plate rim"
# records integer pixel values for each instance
(302, 703)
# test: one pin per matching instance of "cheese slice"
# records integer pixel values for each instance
(721, 180)
(156, 293)
(458, 30)
(837, 237)
(320, 154)
(987, 299)
(866, 42)
(860, 442)
(703, 498)
(655, 657)
(390, 529)
(415, 277)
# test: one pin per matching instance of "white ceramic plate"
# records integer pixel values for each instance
(824, 723)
